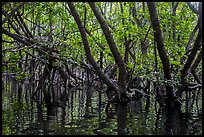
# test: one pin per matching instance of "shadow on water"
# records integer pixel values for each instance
(86, 112)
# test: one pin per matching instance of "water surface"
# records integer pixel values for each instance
(86, 112)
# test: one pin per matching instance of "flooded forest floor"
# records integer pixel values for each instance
(86, 112)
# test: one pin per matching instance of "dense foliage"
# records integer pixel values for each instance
(47, 35)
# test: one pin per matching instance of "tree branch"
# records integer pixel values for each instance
(17, 37)
(159, 40)
(112, 45)
(12, 12)
(192, 55)
(89, 56)
(193, 8)
(195, 65)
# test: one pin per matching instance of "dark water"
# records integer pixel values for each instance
(85, 115)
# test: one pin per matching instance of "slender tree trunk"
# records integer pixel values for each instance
(191, 56)
(89, 55)
(190, 41)
(161, 50)
(112, 45)
(174, 7)
(195, 65)
(143, 41)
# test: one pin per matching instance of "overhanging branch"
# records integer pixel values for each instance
(12, 12)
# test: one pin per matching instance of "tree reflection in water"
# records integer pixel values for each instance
(86, 112)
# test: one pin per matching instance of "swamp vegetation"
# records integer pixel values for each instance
(102, 68)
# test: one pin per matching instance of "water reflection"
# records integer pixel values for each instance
(86, 112)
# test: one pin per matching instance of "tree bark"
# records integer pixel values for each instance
(197, 45)
(161, 50)
(12, 12)
(195, 65)
(174, 7)
(191, 38)
(112, 45)
(89, 55)
(193, 8)
(191, 56)
(18, 38)
(159, 40)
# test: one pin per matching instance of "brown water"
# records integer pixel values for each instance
(84, 115)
